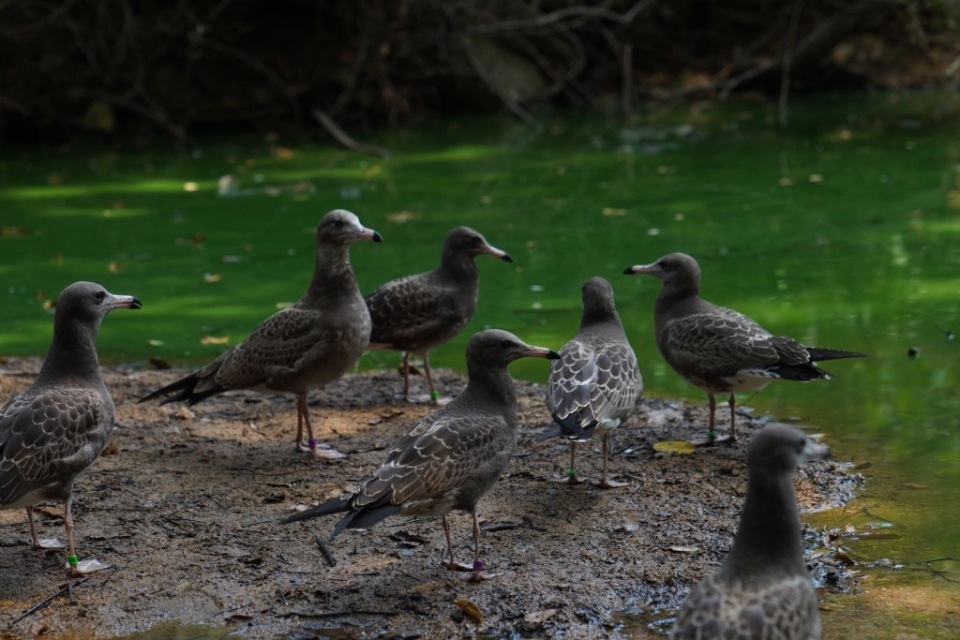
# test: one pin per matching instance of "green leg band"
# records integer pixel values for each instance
(73, 560)
(434, 395)
(571, 473)
(712, 435)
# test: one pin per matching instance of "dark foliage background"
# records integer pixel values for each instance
(185, 67)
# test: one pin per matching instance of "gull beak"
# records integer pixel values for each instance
(541, 352)
(649, 269)
(497, 253)
(124, 302)
(370, 234)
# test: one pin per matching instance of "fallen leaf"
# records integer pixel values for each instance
(681, 447)
(190, 186)
(115, 267)
(539, 617)
(211, 277)
(399, 217)
(207, 340)
(155, 343)
(184, 413)
(470, 610)
(614, 212)
(15, 231)
(683, 549)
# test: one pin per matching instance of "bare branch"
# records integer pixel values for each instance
(559, 15)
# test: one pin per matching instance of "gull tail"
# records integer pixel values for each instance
(363, 518)
(184, 390)
(817, 354)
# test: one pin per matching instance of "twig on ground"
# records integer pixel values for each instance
(327, 554)
(48, 600)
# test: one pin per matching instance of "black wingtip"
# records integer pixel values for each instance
(337, 505)
(552, 432)
(183, 390)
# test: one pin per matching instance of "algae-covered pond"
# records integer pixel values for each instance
(842, 230)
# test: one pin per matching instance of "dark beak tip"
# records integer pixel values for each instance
(553, 355)
(377, 237)
(136, 304)
(506, 258)
(628, 271)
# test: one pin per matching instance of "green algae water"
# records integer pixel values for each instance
(842, 230)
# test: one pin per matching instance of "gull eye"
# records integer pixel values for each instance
(99, 296)
(506, 344)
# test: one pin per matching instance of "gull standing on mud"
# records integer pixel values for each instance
(56, 429)
(763, 589)
(595, 384)
(720, 350)
(423, 311)
(302, 347)
(451, 457)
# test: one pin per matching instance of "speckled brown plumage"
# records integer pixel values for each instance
(451, 457)
(56, 429)
(417, 313)
(304, 346)
(763, 589)
(596, 382)
(720, 350)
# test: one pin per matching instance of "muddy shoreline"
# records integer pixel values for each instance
(186, 505)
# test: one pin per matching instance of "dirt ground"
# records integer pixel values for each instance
(186, 504)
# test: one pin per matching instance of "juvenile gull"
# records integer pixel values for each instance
(56, 429)
(302, 347)
(763, 589)
(451, 457)
(423, 311)
(596, 382)
(719, 349)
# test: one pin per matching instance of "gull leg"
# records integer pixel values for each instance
(604, 482)
(46, 543)
(426, 370)
(478, 574)
(570, 477)
(572, 471)
(406, 376)
(33, 530)
(733, 417)
(450, 563)
(76, 567)
(324, 451)
(431, 397)
(303, 420)
(712, 432)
